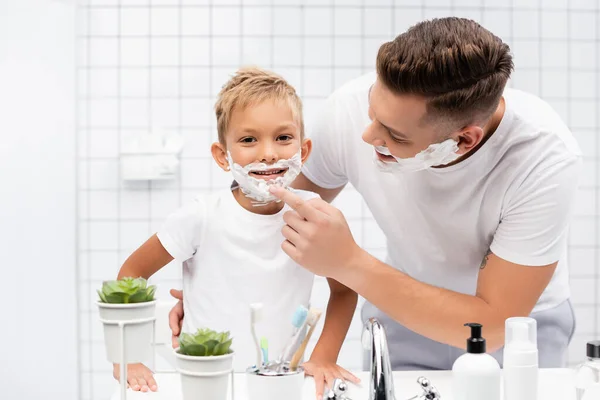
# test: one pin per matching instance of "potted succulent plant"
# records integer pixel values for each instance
(205, 361)
(127, 303)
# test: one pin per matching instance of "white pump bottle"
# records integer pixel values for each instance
(521, 365)
(476, 375)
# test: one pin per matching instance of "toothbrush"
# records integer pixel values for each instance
(264, 345)
(311, 320)
(256, 315)
(299, 322)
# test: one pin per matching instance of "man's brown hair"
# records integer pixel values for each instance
(458, 66)
(251, 86)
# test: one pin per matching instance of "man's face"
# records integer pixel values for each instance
(399, 123)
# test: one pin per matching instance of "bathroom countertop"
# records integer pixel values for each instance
(555, 384)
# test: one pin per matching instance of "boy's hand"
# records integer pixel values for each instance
(139, 377)
(325, 372)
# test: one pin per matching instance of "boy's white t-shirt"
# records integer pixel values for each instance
(513, 196)
(231, 259)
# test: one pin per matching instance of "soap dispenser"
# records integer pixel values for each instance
(476, 375)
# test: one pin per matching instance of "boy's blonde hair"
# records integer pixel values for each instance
(250, 86)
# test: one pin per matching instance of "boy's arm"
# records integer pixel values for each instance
(146, 260)
(322, 364)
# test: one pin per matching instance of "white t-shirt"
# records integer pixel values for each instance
(513, 196)
(231, 259)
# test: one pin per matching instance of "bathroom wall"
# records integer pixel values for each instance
(149, 64)
(38, 328)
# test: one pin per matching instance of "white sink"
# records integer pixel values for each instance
(555, 384)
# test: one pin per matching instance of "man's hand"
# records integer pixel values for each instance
(176, 317)
(317, 235)
(324, 373)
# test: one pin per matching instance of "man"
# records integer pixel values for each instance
(471, 183)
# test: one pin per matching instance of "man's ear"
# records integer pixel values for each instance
(469, 137)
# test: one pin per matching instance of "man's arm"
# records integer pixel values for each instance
(504, 290)
(303, 183)
(522, 260)
(318, 238)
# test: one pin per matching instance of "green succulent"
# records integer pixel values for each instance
(205, 342)
(126, 290)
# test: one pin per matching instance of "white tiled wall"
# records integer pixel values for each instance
(146, 64)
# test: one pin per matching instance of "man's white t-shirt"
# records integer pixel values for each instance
(231, 259)
(513, 196)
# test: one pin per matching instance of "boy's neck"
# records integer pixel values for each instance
(246, 202)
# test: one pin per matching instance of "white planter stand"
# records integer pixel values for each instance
(120, 346)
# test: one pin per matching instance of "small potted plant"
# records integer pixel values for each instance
(130, 303)
(205, 361)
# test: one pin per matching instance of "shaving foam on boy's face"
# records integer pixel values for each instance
(255, 178)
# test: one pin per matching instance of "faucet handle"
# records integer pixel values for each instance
(429, 391)
(338, 391)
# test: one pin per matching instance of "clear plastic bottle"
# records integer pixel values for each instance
(587, 378)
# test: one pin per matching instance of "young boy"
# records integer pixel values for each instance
(230, 241)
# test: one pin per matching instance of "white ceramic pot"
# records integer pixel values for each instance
(204, 377)
(267, 387)
(136, 321)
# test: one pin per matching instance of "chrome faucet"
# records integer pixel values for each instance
(381, 386)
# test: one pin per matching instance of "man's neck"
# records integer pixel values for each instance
(492, 124)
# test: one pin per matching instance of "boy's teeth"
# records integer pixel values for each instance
(268, 172)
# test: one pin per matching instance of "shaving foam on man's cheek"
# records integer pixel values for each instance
(434, 155)
(258, 189)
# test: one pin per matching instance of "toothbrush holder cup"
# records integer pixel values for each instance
(287, 385)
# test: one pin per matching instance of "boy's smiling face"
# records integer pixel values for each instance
(262, 133)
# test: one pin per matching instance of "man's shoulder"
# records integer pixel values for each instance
(537, 121)
(534, 111)
(356, 86)
(346, 109)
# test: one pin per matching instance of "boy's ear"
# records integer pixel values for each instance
(219, 153)
(306, 149)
